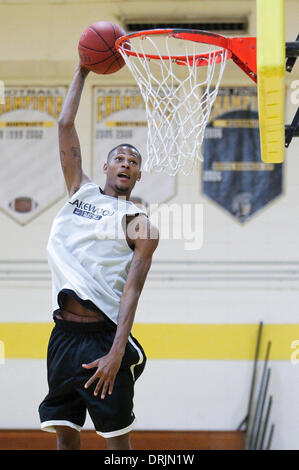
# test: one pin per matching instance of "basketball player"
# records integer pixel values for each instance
(100, 250)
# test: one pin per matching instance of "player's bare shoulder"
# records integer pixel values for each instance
(140, 230)
(84, 179)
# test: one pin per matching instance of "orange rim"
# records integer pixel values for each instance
(186, 34)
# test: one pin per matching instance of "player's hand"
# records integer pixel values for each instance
(82, 69)
(107, 368)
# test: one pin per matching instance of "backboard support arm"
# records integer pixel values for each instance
(292, 53)
(244, 55)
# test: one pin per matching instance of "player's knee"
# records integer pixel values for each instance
(66, 443)
(67, 438)
(119, 442)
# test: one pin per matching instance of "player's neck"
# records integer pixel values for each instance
(114, 192)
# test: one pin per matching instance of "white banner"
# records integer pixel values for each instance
(31, 178)
(120, 117)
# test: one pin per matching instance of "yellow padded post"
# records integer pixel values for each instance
(271, 64)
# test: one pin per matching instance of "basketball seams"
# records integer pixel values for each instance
(94, 50)
(109, 47)
(103, 60)
(115, 37)
(110, 65)
(109, 57)
(100, 36)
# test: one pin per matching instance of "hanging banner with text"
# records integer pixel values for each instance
(120, 117)
(233, 175)
(31, 179)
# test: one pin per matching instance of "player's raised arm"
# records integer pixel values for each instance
(69, 146)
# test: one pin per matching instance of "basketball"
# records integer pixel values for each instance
(97, 48)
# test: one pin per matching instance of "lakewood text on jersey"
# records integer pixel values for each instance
(84, 209)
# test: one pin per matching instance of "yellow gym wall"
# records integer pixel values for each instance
(199, 334)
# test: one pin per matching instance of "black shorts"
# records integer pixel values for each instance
(71, 345)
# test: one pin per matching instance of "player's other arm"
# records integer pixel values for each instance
(69, 146)
(146, 243)
(108, 366)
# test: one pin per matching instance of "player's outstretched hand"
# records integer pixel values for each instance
(83, 70)
(107, 368)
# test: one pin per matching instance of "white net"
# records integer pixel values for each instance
(178, 98)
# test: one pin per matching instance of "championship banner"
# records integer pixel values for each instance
(234, 176)
(31, 179)
(120, 117)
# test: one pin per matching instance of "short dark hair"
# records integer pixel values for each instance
(125, 145)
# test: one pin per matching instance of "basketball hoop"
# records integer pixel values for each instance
(179, 89)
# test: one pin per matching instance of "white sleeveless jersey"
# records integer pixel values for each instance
(87, 249)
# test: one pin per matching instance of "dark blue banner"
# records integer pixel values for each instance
(234, 176)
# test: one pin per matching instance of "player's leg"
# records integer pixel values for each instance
(67, 438)
(63, 410)
(119, 442)
(113, 416)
